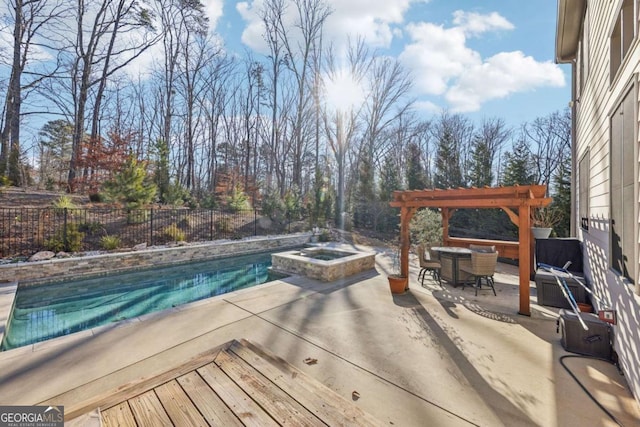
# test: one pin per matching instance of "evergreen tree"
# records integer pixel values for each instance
(390, 181)
(448, 173)
(366, 203)
(562, 199)
(366, 188)
(14, 170)
(517, 166)
(480, 167)
(416, 176)
(161, 175)
(131, 186)
(55, 152)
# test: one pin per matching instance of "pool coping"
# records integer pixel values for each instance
(7, 297)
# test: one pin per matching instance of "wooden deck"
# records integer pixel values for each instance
(238, 384)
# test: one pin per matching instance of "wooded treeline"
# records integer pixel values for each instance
(207, 124)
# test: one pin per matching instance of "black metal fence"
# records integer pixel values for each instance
(24, 231)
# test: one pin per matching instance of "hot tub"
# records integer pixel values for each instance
(322, 263)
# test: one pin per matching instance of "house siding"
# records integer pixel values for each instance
(599, 97)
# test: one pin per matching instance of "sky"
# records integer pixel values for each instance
(486, 59)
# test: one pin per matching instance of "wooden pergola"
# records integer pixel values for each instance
(516, 201)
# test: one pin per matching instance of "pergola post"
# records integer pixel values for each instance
(405, 217)
(524, 242)
(445, 225)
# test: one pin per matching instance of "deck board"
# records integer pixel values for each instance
(179, 407)
(249, 412)
(118, 416)
(238, 384)
(316, 397)
(212, 408)
(282, 407)
(148, 410)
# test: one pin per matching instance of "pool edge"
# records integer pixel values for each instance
(7, 299)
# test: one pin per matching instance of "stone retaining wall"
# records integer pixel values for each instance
(56, 269)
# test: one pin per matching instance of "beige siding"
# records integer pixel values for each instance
(599, 96)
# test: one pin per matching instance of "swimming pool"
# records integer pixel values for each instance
(42, 312)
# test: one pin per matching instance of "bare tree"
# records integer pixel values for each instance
(300, 45)
(179, 21)
(220, 84)
(388, 87)
(108, 36)
(342, 122)
(549, 138)
(272, 16)
(196, 55)
(32, 24)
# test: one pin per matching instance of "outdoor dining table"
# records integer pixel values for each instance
(451, 259)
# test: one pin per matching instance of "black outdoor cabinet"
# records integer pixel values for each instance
(594, 342)
(550, 294)
(557, 252)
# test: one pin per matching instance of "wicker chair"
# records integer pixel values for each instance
(428, 264)
(483, 266)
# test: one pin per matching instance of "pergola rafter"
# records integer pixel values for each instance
(519, 197)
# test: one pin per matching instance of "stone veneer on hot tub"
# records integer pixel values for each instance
(326, 270)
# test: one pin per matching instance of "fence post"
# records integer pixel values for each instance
(64, 230)
(151, 227)
(210, 224)
(255, 222)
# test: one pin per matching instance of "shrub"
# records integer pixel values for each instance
(177, 195)
(187, 222)
(238, 201)
(426, 226)
(293, 204)
(94, 227)
(131, 185)
(273, 206)
(223, 225)
(96, 198)
(325, 236)
(64, 202)
(110, 242)
(73, 243)
(4, 181)
(137, 216)
(173, 233)
(208, 202)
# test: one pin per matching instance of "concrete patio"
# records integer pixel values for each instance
(432, 356)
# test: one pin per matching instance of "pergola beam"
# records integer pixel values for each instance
(454, 203)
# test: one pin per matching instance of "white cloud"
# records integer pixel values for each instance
(374, 20)
(437, 55)
(428, 107)
(499, 76)
(213, 9)
(473, 23)
(443, 64)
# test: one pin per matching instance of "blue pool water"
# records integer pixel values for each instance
(48, 311)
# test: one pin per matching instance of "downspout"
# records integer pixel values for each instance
(574, 152)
